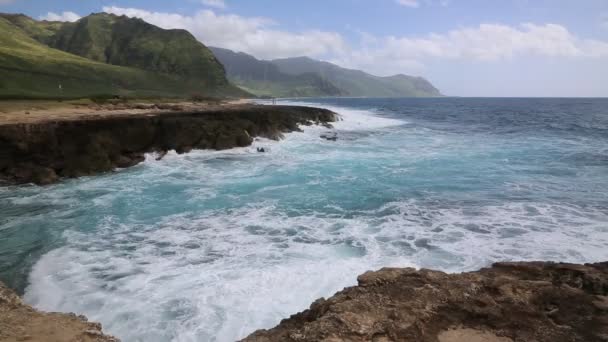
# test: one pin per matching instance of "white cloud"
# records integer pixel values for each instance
(420, 3)
(254, 35)
(490, 42)
(408, 3)
(6, 2)
(604, 21)
(214, 3)
(65, 16)
(486, 43)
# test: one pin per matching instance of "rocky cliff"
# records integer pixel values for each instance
(508, 302)
(43, 152)
(20, 322)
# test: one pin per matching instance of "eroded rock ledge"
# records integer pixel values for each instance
(43, 152)
(20, 322)
(508, 302)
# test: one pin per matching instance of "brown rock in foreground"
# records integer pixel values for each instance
(44, 151)
(20, 322)
(508, 302)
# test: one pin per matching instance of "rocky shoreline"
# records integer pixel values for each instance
(508, 302)
(21, 322)
(45, 151)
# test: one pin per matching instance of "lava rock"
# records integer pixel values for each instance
(508, 302)
(44, 151)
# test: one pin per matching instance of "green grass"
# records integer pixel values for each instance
(42, 31)
(296, 88)
(30, 69)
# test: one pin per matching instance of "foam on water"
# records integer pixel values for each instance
(212, 245)
(217, 274)
(225, 274)
(354, 119)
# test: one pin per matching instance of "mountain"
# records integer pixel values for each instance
(265, 79)
(104, 54)
(305, 77)
(41, 31)
(358, 83)
(132, 42)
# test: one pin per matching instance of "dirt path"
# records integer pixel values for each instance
(12, 112)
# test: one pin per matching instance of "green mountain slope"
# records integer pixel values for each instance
(265, 79)
(42, 31)
(132, 42)
(359, 83)
(31, 69)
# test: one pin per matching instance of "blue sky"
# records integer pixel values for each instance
(466, 48)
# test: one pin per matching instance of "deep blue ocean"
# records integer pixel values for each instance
(211, 246)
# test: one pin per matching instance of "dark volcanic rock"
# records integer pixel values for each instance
(43, 152)
(508, 302)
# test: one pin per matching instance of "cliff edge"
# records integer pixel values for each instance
(20, 322)
(509, 302)
(43, 151)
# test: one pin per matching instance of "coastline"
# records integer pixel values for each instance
(525, 278)
(527, 301)
(21, 322)
(507, 302)
(43, 149)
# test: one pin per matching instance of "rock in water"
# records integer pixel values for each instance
(331, 136)
(508, 302)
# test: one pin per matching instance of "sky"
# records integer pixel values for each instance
(464, 47)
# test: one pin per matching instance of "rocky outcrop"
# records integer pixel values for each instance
(505, 303)
(43, 152)
(20, 322)
(509, 302)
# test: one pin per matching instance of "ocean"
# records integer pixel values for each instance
(212, 245)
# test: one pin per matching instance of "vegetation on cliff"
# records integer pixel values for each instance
(132, 42)
(104, 55)
(358, 83)
(263, 78)
(303, 76)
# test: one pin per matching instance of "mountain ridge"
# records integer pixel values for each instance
(284, 78)
(132, 42)
(156, 62)
(30, 66)
(265, 79)
(358, 83)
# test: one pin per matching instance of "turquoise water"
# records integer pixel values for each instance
(211, 246)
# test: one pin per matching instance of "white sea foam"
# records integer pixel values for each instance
(354, 119)
(212, 278)
(223, 275)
